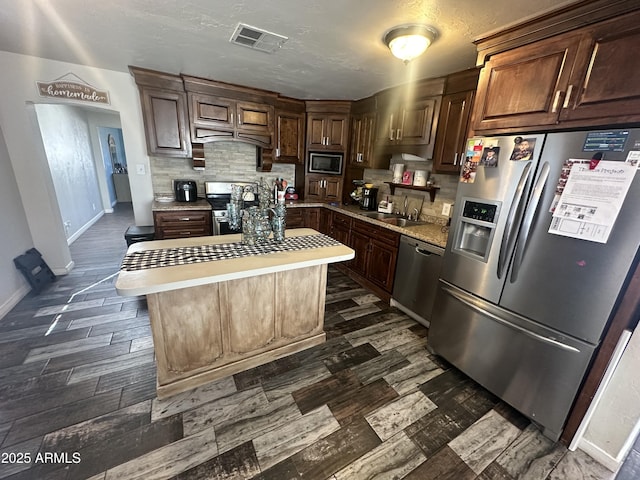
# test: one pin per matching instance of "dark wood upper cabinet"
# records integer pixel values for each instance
(327, 132)
(524, 87)
(453, 123)
(221, 111)
(289, 137)
(218, 118)
(328, 125)
(581, 78)
(606, 84)
(164, 112)
(407, 116)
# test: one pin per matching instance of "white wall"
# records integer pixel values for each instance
(616, 419)
(19, 123)
(15, 238)
(65, 135)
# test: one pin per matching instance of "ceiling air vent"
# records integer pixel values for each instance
(256, 38)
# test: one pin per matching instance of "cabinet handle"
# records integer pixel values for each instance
(399, 134)
(391, 127)
(455, 159)
(568, 97)
(239, 120)
(556, 100)
(277, 152)
(185, 219)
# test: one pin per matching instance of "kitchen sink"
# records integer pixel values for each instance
(381, 216)
(392, 219)
(401, 222)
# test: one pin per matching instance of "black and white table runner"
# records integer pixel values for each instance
(167, 257)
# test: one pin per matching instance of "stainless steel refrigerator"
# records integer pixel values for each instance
(519, 309)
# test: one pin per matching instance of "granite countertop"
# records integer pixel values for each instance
(168, 206)
(431, 232)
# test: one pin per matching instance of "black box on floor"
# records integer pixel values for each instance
(34, 269)
(139, 234)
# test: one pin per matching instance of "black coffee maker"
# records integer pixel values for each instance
(369, 200)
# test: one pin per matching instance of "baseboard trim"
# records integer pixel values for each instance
(84, 228)
(600, 455)
(13, 300)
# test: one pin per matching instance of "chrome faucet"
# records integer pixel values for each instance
(404, 210)
(416, 214)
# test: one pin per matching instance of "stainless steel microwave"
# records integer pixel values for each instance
(330, 163)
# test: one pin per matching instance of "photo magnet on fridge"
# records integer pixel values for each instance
(490, 157)
(523, 148)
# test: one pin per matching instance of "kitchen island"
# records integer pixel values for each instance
(218, 307)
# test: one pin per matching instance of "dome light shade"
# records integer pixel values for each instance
(409, 41)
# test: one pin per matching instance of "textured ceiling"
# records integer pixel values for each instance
(334, 49)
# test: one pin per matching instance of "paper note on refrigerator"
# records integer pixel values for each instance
(591, 200)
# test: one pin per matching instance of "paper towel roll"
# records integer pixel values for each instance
(398, 170)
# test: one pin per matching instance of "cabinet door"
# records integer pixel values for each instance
(255, 122)
(356, 140)
(605, 79)
(360, 243)
(211, 117)
(416, 121)
(312, 218)
(165, 120)
(316, 132)
(295, 218)
(381, 267)
(332, 189)
(362, 139)
(336, 133)
(325, 221)
(327, 132)
(314, 187)
(524, 87)
(453, 126)
(289, 138)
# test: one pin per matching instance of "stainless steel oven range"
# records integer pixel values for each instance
(218, 194)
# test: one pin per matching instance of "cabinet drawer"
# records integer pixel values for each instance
(187, 230)
(381, 234)
(341, 220)
(295, 218)
(175, 219)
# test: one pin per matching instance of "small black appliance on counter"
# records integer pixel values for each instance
(369, 200)
(185, 190)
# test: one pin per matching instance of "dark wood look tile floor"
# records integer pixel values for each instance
(77, 397)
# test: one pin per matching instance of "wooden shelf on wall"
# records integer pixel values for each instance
(432, 189)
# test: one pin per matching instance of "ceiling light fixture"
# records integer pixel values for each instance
(409, 41)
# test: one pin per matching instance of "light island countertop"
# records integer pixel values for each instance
(162, 279)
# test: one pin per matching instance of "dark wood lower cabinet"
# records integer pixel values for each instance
(180, 224)
(374, 264)
(303, 217)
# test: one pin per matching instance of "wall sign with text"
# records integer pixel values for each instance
(73, 88)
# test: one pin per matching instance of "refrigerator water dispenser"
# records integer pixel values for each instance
(476, 228)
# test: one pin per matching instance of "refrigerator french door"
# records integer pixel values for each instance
(521, 310)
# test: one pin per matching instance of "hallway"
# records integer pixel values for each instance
(77, 375)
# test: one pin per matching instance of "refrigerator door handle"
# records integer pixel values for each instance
(471, 303)
(511, 220)
(523, 236)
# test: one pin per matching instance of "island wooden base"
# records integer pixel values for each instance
(206, 332)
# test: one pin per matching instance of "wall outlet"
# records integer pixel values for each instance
(446, 209)
(140, 170)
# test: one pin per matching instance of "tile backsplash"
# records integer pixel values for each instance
(237, 161)
(224, 161)
(430, 211)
